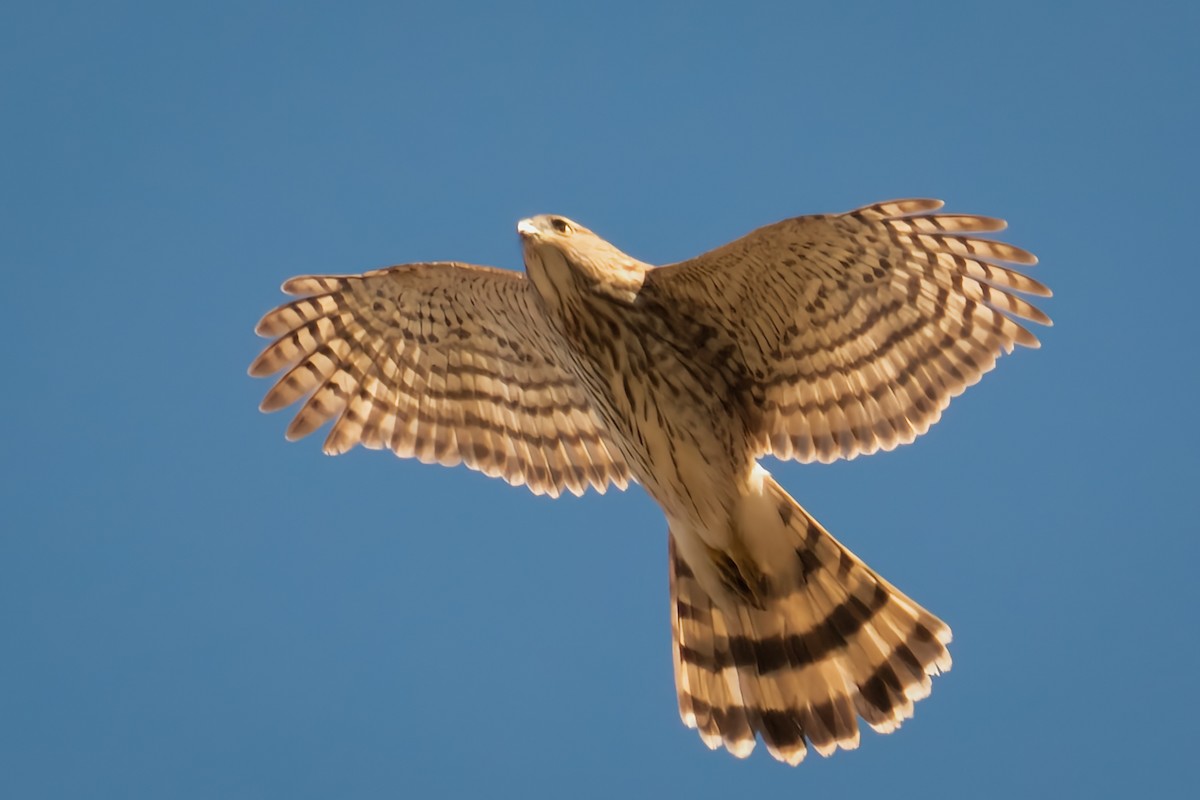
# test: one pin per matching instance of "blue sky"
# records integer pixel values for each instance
(192, 607)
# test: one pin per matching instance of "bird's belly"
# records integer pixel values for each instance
(675, 427)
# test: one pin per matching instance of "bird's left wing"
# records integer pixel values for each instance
(855, 330)
(446, 362)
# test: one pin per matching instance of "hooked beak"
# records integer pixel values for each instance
(526, 228)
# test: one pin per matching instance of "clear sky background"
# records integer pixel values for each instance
(192, 607)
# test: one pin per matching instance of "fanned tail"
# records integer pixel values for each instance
(831, 641)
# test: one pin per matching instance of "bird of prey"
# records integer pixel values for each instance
(816, 338)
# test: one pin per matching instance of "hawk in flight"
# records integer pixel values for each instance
(815, 338)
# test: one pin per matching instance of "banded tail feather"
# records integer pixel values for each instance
(832, 642)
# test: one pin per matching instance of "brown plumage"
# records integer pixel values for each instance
(815, 338)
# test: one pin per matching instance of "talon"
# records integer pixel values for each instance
(741, 576)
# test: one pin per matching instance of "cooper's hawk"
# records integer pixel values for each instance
(815, 338)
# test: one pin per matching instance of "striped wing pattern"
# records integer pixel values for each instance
(444, 362)
(857, 329)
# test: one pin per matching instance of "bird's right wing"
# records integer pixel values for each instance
(446, 362)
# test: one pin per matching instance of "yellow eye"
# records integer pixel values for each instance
(561, 225)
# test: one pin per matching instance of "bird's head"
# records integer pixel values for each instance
(562, 256)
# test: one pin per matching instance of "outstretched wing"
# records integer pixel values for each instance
(855, 330)
(445, 362)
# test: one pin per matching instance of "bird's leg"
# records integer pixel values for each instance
(738, 571)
